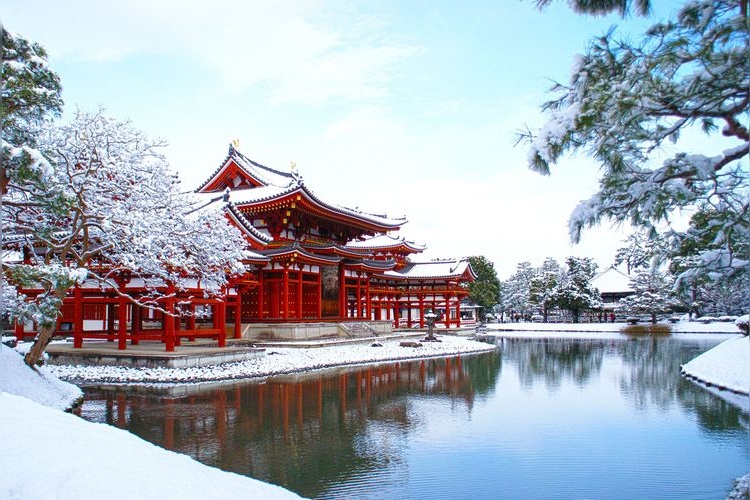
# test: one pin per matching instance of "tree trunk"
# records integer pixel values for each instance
(40, 345)
(576, 315)
(46, 332)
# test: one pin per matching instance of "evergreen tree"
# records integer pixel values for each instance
(601, 7)
(626, 101)
(652, 295)
(574, 292)
(516, 290)
(715, 293)
(641, 250)
(30, 99)
(485, 291)
(543, 289)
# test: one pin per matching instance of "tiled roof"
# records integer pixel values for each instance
(264, 175)
(612, 280)
(276, 184)
(435, 269)
(385, 241)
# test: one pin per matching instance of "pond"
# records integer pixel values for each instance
(541, 418)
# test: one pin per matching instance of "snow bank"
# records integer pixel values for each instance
(679, 327)
(277, 361)
(40, 386)
(727, 365)
(53, 454)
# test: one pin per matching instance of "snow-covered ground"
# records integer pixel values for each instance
(679, 327)
(50, 454)
(276, 361)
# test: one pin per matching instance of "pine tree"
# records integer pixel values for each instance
(601, 7)
(652, 295)
(543, 289)
(574, 292)
(516, 290)
(30, 99)
(625, 101)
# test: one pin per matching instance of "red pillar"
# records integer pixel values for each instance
(458, 311)
(320, 295)
(396, 311)
(77, 317)
(368, 298)
(285, 294)
(190, 322)
(238, 315)
(222, 320)
(421, 311)
(447, 311)
(343, 294)
(359, 296)
(122, 318)
(261, 294)
(111, 321)
(135, 324)
(299, 294)
(19, 330)
(169, 320)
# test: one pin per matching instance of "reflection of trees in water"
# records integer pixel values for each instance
(650, 365)
(650, 373)
(653, 377)
(304, 432)
(553, 360)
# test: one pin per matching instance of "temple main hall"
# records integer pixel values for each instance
(314, 269)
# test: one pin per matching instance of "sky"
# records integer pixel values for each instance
(408, 108)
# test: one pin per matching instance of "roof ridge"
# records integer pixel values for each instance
(236, 151)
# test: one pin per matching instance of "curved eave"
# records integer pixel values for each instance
(401, 248)
(297, 252)
(257, 259)
(376, 223)
(386, 243)
(335, 250)
(306, 200)
(246, 227)
(371, 265)
(397, 275)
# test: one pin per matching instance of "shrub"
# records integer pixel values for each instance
(659, 329)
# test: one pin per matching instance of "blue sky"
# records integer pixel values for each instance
(398, 107)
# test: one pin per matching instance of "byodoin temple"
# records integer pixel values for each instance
(314, 269)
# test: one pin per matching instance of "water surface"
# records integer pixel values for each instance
(538, 418)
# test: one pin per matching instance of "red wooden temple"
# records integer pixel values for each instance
(316, 269)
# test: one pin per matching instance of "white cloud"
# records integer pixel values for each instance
(285, 45)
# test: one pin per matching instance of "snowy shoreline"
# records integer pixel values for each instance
(277, 361)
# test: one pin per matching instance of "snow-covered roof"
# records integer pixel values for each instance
(612, 280)
(434, 269)
(263, 175)
(269, 184)
(386, 241)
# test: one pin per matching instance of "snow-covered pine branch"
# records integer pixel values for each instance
(626, 103)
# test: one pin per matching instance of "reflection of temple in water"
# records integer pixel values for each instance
(277, 429)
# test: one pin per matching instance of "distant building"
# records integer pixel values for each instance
(613, 285)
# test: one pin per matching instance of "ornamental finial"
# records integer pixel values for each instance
(236, 143)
